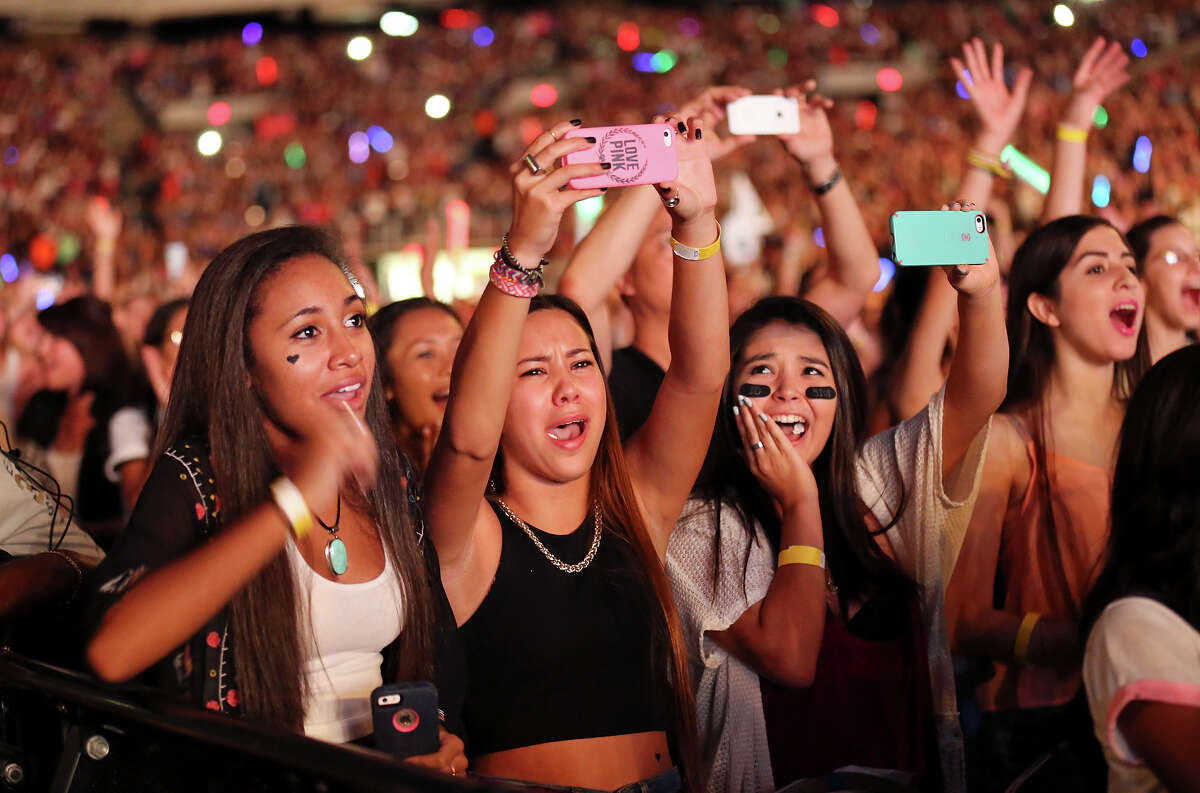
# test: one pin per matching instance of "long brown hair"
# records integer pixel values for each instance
(1036, 268)
(612, 488)
(211, 396)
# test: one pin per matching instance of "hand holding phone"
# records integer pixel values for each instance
(763, 115)
(406, 719)
(926, 239)
(636, 154)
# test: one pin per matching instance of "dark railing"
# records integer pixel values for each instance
(63, 732)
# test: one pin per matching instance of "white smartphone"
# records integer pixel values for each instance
(763, 115)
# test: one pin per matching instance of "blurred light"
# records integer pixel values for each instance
(68, 248)
(961, 89)
(458, 225)
(887, 270)
(643, 62)
(11, 155)
(437, 106)
(889, 79)
(254, 216)
(219, 113)
(485, 123)
(43, 250)
(380, 139)
(359, 147)
(455, 18)
(8, 268)
(1142, 150)
(819, 236)
(483, 36)
(769, 23)
(865, 114)
(45, 298)
(664, 61)
(398, 23)
(1026, 169)
(539, 23)
(586, 212)
(1138, 48)
(235, 167)
(397, 169)
(359, 48)
(251, 34)
(266, 70)
(543, 95)
(688, 27)
(530, 129)
(628, 36)
(1101, 191)
(825, 16)
(294, 155)
(1100, 118)
(777, 57)
(869, 34)
(209, 142)
(1064, 16)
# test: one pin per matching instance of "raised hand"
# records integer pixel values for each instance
(814, 142)
(773, 459)
(972, 279)
(693, 193)
(1101, 72)
(709, 107)
(541, 198)
(103, 219)
(998, 107)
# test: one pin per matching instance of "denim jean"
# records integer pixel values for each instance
(664, 782)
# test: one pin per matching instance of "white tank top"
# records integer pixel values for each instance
(351, 624)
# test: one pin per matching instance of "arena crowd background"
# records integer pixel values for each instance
(398, 128)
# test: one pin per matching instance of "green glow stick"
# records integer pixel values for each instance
(1026, 169)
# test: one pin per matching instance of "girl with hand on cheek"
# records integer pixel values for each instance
(1075, 328)
(551, 535)
(809, 567)
(275, 519)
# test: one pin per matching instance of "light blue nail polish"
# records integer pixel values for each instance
(763, 416)
(735, 410)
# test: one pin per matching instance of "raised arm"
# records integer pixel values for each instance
(482, 379)
(978, 377)
(105, 223)
(843, 286)
(1101, 72)
(920, 374)
(665, 455)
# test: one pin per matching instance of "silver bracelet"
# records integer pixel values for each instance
(74, 566)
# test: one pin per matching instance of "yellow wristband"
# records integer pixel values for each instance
(1072, 134)
(1024, 634)
(291, 502)
(986, 162)
(696, 254)
(802, 554)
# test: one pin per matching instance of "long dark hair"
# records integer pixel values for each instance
(210, 396)
(856, 562)
(1036, 267)
(612, 487)
(1154, 543)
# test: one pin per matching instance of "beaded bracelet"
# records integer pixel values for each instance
(505, 254)
(510, 280)
(830, 183)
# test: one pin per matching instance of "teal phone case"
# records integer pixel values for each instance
(925, 239)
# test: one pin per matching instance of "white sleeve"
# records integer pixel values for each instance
(129, 435)
(1138, 649)
(900, 470)
(26, 515)
(704, 603)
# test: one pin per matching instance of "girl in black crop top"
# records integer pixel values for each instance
(579, 675)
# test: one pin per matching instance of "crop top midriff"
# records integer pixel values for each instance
(555, 656)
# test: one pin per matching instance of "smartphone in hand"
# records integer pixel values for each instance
(406, 721)
(763, 115)
(924, 239)
(638, 154)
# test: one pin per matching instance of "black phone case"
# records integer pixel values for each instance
(409, 726)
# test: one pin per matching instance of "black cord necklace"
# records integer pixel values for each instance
(335, 550)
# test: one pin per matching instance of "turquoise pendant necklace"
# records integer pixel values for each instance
(335, 550)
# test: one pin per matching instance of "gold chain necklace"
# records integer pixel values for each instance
(554, 560)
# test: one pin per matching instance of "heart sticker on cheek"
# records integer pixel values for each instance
(293, 358)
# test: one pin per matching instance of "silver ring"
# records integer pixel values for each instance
(672, 202)
(757, 445)
(532, 165)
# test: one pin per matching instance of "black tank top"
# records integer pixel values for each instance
(554, 656)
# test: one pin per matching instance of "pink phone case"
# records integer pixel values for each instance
(640, 154)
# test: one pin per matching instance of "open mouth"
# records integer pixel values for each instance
(568, 431)
(441, 397)
(796, 426)
(346, 391)
(1191, 298)
(1124, 318)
